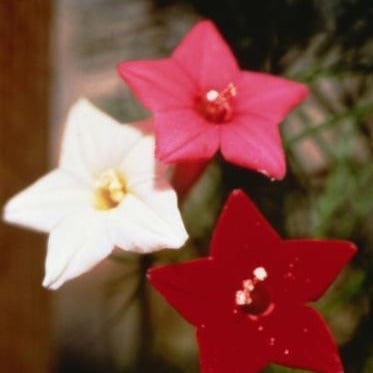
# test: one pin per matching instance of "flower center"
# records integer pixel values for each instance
(254, 298)
(110, 190)
(216, 106)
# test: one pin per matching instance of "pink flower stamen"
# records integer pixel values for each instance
(254, 298)
(216, 106)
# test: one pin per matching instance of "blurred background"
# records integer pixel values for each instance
(110, 320)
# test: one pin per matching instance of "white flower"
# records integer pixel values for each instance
(107, 191)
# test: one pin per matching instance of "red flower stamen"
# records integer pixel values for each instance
(216, 106)
(254, 298)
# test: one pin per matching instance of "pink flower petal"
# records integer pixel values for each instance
(206, 57)
(251, 141)
(184, 136)
(159, 84)
(267, 95)
(183, 93)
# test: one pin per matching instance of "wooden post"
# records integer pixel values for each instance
(24, 76)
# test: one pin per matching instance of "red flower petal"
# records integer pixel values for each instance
(190, 288)
(206, 57)
(298, 337)
(242, 235)
(274, 325)
(310, 266)
(159, 84)
(251, 141)
(183, 136)
(268, 96)
(230, 348)
(185, 175)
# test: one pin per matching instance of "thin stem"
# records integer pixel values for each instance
(145, 331)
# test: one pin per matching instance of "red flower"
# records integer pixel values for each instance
(202, 102)
(248, 298)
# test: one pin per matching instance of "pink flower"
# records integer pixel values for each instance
(249, 299)
(202, 102)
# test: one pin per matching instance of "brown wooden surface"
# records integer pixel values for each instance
(24, 62)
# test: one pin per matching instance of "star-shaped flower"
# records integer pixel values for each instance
(248, 298)
(107, 191)
(202, 102)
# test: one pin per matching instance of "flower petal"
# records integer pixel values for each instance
(303, 343)
(138, 227)
(206, 57)
(267, 95)
(303, 278)
(162, 200)
(93, 141)
(159, 84)
(190, 288)
(139, 165)
(186, 175)
(46, 202)
(242, 236)
(233, 338)
(146, 180)
(230, 347)
(184, 136)
(252, 141)
(76, 245)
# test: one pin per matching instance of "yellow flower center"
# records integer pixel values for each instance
(110, 189)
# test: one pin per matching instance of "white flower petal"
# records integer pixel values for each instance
(158, 196)
(138, 227)
(47, 201)
(62, 202)
(75, 246)
(145, 178)
(93, 141)
(140, 165)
